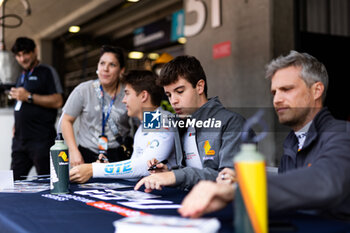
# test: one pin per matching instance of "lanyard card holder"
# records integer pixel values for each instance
(103, 144)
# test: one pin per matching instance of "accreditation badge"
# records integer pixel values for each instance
(102, 143)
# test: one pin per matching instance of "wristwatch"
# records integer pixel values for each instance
(30, 98)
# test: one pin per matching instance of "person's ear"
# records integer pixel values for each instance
(144, 96)
(200, 86)
(122, 70)
(317, 90)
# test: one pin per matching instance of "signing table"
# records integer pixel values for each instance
(88, 209)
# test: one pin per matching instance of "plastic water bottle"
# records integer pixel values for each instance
(59, 167)
(250, 206)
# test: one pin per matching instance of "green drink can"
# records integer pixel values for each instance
(59, 167)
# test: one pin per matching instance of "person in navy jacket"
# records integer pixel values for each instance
(314, 173)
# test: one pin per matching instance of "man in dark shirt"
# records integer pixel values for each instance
(314, 173)
(38, 95)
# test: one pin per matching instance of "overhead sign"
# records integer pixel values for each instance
(153, 35)
(161, 32)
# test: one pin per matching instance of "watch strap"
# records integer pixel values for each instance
(30, 98)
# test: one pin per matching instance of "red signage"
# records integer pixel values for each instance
(126, 212)
(222, 49)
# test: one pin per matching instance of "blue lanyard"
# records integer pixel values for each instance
(105, 117)
(26, 75)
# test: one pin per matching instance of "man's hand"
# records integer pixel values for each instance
(19, 93)
(102, 159)
(81, 173)
(160, 167)
(48, 101)
(206, 197)
(156, 181)
(226, 176)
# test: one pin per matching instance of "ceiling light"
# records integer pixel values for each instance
(133, 0)
(182, 40)
(135, 55)
(153, 56)
(74, 29)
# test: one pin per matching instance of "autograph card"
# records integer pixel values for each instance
(26, 187)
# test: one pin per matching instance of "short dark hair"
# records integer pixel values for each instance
(144, 80)
(187, 67)
(23, 44)
(117, 51)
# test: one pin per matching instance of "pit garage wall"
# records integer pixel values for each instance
(6, 125)
(238, 77)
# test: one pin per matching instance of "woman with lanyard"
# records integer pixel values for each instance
(103, 120)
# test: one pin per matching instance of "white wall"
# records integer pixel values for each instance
(6, 124)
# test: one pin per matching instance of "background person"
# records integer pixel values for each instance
(160, 62)
(38, 95)
(200, 152)
(156, 68)
(141, 94)
(102, 115)
(314, 172)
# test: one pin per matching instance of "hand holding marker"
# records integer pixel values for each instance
(154, 166)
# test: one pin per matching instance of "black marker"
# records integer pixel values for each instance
(154, 166)
(103, 159)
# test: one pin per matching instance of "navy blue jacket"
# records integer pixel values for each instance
(318, 176)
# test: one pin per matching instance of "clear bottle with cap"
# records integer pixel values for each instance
(59, 167)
